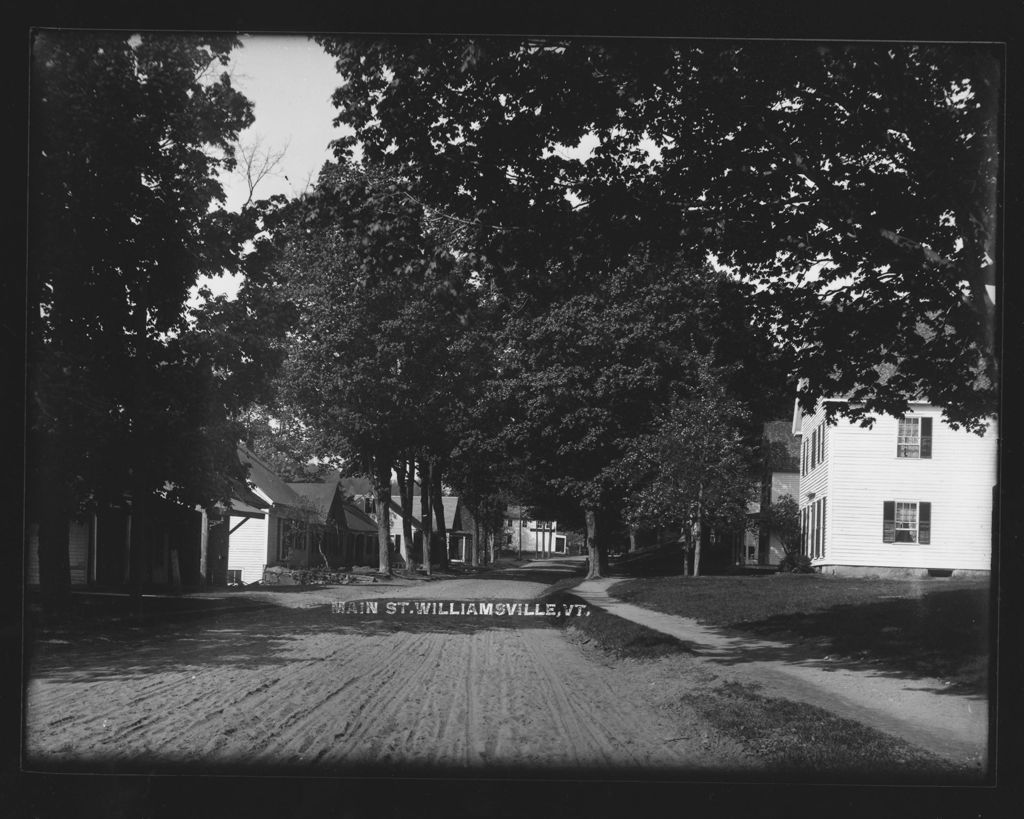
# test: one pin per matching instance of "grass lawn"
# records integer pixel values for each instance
(936, 627)
(786, 736)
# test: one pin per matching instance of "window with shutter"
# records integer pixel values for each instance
(908, 438)
(814, 449)
(914, 438)
(906, 522)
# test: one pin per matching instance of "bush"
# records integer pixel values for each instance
(796, 563)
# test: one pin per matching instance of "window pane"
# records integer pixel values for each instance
(908, 438)
(906, 522)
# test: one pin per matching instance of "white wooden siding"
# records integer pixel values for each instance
(247, 546)
(862, 472)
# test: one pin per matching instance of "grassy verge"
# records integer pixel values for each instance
(799, 738)
(922, 627)
(785, 736)
(615, 635)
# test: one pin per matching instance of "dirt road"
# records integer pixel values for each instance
(305, 687)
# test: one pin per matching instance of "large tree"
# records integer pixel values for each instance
(693, 468)
(378, 300)
(854, 183)
(580, 379)
(128, 135)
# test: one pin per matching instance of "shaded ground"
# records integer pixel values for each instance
(300, 688)
(917, 709)
(935, 627)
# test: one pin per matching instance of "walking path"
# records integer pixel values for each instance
(916, 709)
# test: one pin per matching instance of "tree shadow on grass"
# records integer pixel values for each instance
(943, 634)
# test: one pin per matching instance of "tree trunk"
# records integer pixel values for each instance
(490, 547)
(204, 544)
(632, 537)
(426, 529)
(687, 546)
(406, 479)
(382, 481)
(594, 544)
(700, 530)
(438, 504)
(476, 541)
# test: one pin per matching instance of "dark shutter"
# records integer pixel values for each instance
(889, 522)
(926, 437)
(924, 523)
(823, 521)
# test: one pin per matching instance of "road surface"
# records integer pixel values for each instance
(308, 688)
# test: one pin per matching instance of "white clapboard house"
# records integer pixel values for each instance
(275, 532)
(909, 495)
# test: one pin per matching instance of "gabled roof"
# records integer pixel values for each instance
(356, 521)
(396, 507)
(267, 481)
(318, 496)
(450, 504)
(451, 507)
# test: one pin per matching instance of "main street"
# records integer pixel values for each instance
(285, 687)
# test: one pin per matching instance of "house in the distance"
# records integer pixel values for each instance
(270, 524)
(539, 538)
(780, 476)
(342, 535)
(909, 495)
(460, 528)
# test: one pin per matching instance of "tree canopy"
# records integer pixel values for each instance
(853, 184)
(128, 135)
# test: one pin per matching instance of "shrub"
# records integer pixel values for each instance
(795, 562)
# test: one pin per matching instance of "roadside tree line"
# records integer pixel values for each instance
(471, 303)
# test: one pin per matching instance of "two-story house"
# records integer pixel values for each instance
(536, 537)
(908, 495)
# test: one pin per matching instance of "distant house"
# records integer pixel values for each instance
(536, 537)
(908, 496)
(460, 528)
(780, 476)
(270, 524)
(343, 534)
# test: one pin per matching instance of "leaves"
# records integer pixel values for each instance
(129, 133)
(855, 184)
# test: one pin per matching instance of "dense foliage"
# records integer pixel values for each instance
(855, 184)
(128, 134)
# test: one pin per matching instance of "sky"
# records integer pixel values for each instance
(289, 79)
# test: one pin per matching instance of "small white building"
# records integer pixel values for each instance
(907, 496)
(277, 533)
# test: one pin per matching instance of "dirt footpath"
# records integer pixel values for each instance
(305, 687)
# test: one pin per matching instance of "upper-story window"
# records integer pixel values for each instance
(914, 438)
